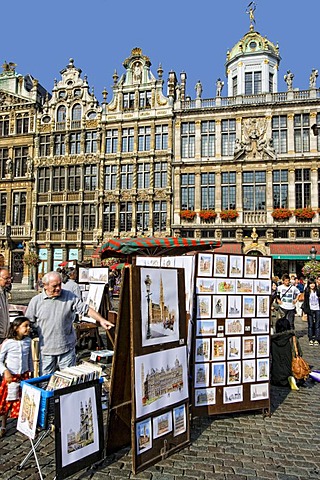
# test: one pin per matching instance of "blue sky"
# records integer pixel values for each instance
(182, 35)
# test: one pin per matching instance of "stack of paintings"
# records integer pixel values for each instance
(232, 328)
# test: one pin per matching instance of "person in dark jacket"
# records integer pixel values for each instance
(311, 306)
(282, 349)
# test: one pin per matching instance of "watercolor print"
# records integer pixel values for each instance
(259, 391)
(249, 306)
(205, 285)
(248, 371)
(144, 436)
(250, 267)
(220, 268)
(205, 265)
(262, 369)
(236, 266)
(162, 424)
(218, 349)
(168, 262)
(263, 346)
(233, 394)
(234, 348)
(206, 328)
(167, 369)
(148, 261)
(219, 306)
(204, 396)
(262, 287)
(99, 275)
(248, 347)
(227, 285)
(234, 373)
(29, 409)
(159, 306)
(179, 420)
(204, 306)
(201, 375)
(234, 326)
(83, 275)
(244, 285)
(264, 267)
(260, 325)
(202, 350)
(234, 305)
(263, 306)
(218, 374)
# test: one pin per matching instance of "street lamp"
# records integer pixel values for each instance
(313, 253)
(147, 283)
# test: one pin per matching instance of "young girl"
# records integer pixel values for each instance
(15, 365)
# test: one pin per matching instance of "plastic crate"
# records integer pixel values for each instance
(46, 409)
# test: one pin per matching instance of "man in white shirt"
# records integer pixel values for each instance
(287, 297)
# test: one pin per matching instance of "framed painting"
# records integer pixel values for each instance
(260, 325)
(234, 326)
(263, 305)
(205, 285)
(248, 347)
(233, 373)
(202, 350)
(218, 373)
(234, 348)
(248, 371)
(259, 391)
(227, 285)
(250, 267)
(99, 275)
(263, 346)
(204, 396)
(219, 306)
(205, 264)
(263, 369)
(264, 267)
(244, 285)
(262, 287)
(249, 306)
(235, 266)
(201, 375)
(218, 349)
(220, 265)
(143, 436)
(162, 424)
(233, 394)
(234, 305)
(206, 328)
(179, 420)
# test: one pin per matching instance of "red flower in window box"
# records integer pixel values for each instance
(187, 214)
(229, 214)
(281, 213)
(207, 214)
(304, 213)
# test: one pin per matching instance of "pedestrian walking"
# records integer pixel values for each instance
(15, 365)
(53, 312)
(287, 298)
(311, 307)
(5, 287)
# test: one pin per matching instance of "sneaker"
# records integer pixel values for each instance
(311, 342)
(292, 383)
(316, 342)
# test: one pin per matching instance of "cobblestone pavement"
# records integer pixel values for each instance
(240, 446)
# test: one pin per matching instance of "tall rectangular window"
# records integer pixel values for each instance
(44, 146)
(73, 217)
(303, 187)
(207, 191)
(58, 179)
(59, 145)
(110, 177)
(42, 218)
(228, 190)
(208, 138)
(89, 217)
(109, 216)
(125, 216)
(280, 133)
(128, 101)
(3, 208)
(144, 139)
(228, 136)
(318, 136)
(143, 180)
(74, 178)
(301, 133)
(253, 83)
(90, 177)
(234, 86)
(112, 141)
(4, 154)
(188, 139)
(19, 208)
(145, 99)
(271, 77)
(4, 126)
(142, 216)
(161, 137)
(43, 179)
(280, 188)
(91, 142)
(187, 191)
(127, 139)
(160, 174)
(22, 125)
(159, 216)
(20, 161)
(254, 191)
(126, 177)
(56, 218)
(75, 139)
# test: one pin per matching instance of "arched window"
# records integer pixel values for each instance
(61, 117)
(76, 116)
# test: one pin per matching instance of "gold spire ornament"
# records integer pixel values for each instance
(250, 10)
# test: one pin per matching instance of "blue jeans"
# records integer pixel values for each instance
(50, 363)
(314, 325)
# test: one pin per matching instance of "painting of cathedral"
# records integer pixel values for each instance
(84, 435)
(159, 306)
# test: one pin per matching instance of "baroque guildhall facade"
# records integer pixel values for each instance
(241, 167)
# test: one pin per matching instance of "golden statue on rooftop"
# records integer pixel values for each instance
(250, 10)
(9, 67)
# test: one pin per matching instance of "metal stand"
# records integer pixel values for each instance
(35, 445)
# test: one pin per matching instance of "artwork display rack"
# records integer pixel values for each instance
(149, 400)
(231, 338)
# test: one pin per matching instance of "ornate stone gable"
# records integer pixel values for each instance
(254, 143)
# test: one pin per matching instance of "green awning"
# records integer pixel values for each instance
(276, 256)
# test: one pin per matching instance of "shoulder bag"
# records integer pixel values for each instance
(300, 368)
